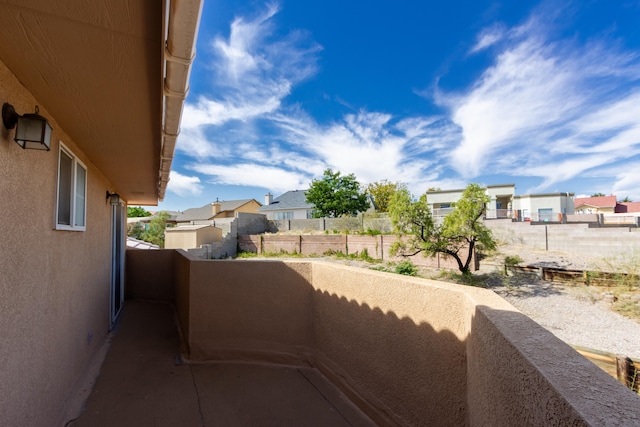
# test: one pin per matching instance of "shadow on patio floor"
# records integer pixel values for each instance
(143, 383)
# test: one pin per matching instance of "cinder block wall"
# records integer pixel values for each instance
(249, 223)
(579, 239)
(378, 247)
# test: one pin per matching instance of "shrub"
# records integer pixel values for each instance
(511, 261)
(406, 268)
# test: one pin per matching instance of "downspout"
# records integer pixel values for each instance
(181, 24)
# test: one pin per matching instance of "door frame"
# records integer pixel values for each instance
(118, 247)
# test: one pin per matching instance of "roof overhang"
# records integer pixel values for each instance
(113, 74)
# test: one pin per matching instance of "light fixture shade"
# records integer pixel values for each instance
(33, 132)
(114, 198)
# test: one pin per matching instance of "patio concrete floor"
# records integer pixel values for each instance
(144, 383)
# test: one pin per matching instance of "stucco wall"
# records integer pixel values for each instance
(396, 345)
(408, 351)
(250, 310)
(54, 309)
(560, 203)
(150, 277)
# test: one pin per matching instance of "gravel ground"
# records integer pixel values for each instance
(577, 315)
(574, 315)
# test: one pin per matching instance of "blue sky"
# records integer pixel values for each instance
(545, 95)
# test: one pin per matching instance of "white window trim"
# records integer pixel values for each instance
(75, 162)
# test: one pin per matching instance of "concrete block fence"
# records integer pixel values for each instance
(578, 239)
(359, 223)
(377, 247)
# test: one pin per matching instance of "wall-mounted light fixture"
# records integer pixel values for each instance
(32, 131)
(114, 198)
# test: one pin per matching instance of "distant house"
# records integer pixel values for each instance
(191, 236)
(218, 210)
(290, 205)
(595, 205)
(543, 207)
(501, 196)
(504, 203)
(628, 207)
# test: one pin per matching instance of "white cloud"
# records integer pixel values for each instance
(183, 185)
(488, 37)
(550, 108)
(272, 178)
(546, 108)
(236, 55)
(254, 71)
(628, 182)
(373, 147)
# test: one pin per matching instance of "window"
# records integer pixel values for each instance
(283, 215)
(72, 192)
(545, 214)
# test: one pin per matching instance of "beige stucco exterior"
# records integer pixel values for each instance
(191, 236)
(249, 207)
(500, 199)
(530, 205)
(407, 351)
(54, 284)
(100, 72)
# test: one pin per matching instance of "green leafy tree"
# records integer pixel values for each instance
(155, 232)
(625, 200)
(336, 195)
(135, 230)
(457, 236)
(382, 192)
(597, 195)
(137, 212)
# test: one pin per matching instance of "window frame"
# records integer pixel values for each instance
(73, 196)
(286, 215)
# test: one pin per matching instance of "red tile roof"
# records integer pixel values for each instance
(597, 202)
(628, 207)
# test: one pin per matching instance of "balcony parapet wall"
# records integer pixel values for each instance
(407, 351)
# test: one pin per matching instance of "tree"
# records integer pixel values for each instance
(155, 232)
(335, 195)
(382, 192)
(137, 212)
(135, 230)
(458, 234)
(598, 195)
(625, 200)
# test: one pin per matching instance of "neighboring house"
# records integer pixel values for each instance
(543, 207)
(290, 205)
(628, 207)
(595, 205)
(218, 210)
(110, 78)
(504, 203)
(501, 196)
(191, 236)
